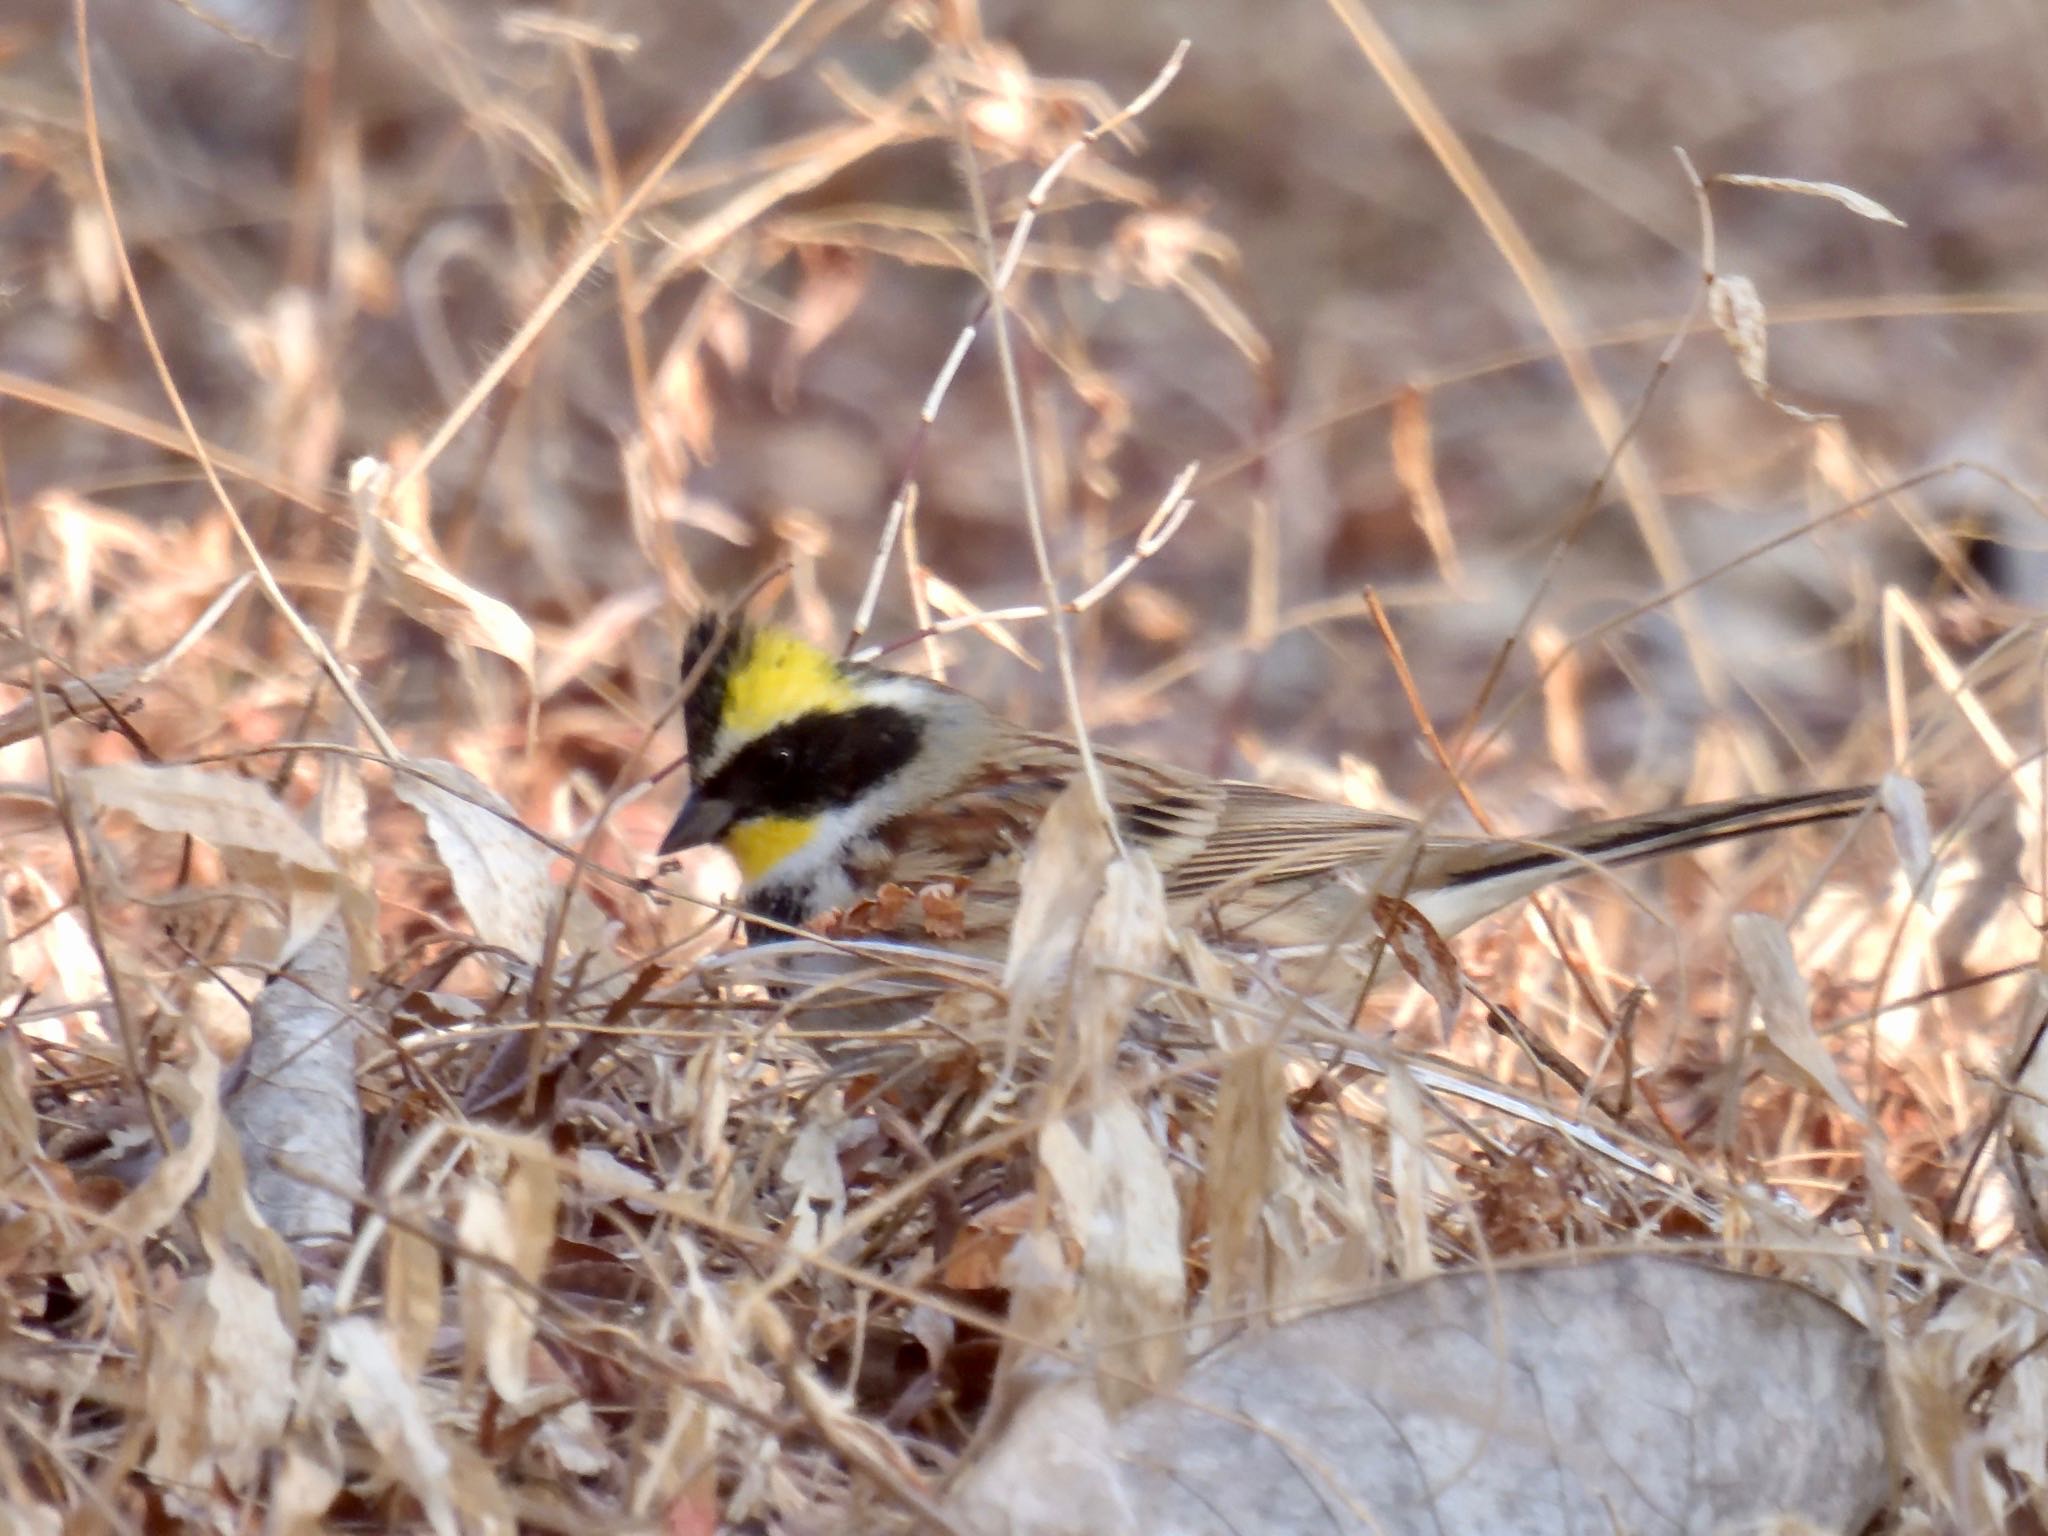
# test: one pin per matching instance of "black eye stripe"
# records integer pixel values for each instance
(816, 762)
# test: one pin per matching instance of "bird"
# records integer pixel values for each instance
(862, 800)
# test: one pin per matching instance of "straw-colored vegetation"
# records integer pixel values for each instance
(390, 1142)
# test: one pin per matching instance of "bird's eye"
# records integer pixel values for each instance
(782, 757)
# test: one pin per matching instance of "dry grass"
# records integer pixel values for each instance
(639, 307)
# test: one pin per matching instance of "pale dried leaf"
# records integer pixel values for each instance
(421, 584)
(1062, 879)
(1856, 202)
(681, 402)
(217, 808)
(1905, 807)
(95, 261)
(955, 604)
(1244, 1140)
(220, 1385)
(412, 1297)
(1423, 953)
(598, 637)
(217, 1016)
(146, 1209)
(1123, 944)
(499, 1316)
(727, 335)
(1737, 310)
(1636, 1394)
(1408, 1173)
(534, 1199)
(383, 1402)
(305, 1488)
(572, 1439)
(502, 874)
(344, 810)
(1795, 1052)
(819, 1188)
(1133, 1279)
(1045, 1302)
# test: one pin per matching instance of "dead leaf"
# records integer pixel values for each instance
(236, 815)
(1061, 881)
(220, 1381)
(498, 1317)
(344, 810)
(503, 875)
(1408, 1173)
(1796, 1054)
(1244, 1143)
(1424, 954)
(682, 400)
(384, 1403)
(955, 604)
(217, 808)
(1737, 310)
(1905, 807)
(979, 1254)
(500, 1313)
(1133, 1275)
(95, 260)
(195, 1094)
(811, 1173)
(420, 582)
(304, 1489)
(1123, 946)
(412, 1297)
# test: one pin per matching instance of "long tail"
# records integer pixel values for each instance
(1481, 878)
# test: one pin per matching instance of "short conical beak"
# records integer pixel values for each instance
(702, 821)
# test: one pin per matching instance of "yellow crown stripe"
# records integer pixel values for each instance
(780, 678)
(759, 844)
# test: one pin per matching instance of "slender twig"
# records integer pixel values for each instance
(1013, 392)
(593, 249)
(308, 637)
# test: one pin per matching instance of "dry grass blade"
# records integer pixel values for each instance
(807, 1236)
(105, 690)
(1856, 202)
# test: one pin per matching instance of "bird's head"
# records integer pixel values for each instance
(795, 754)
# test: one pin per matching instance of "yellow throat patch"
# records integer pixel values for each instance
(780, 678)
(759, 844)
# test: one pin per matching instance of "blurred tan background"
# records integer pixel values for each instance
(339, 213)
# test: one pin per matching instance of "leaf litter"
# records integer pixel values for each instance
(1114, 1225)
